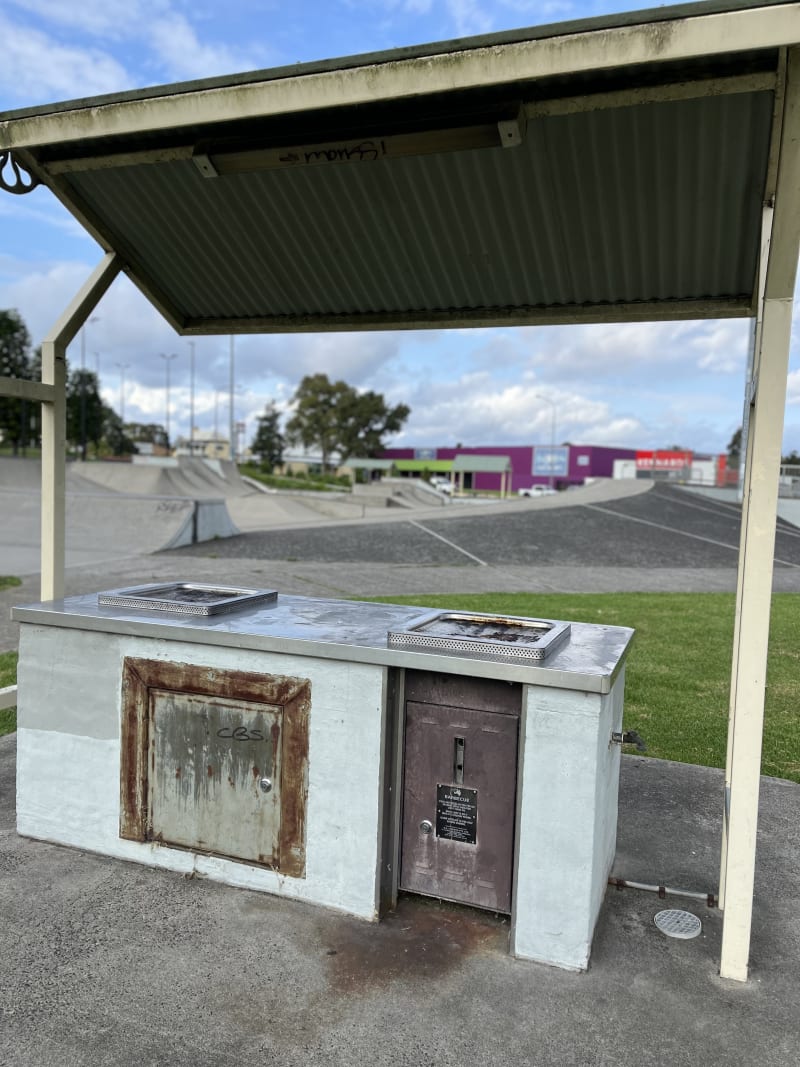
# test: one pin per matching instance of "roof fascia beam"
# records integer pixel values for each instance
(667, 311)
(569, 105)
(619, 47)
(652, 94)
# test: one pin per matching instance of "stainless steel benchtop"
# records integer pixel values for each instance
(345, 630)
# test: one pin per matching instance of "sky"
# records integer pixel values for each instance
(632, 385)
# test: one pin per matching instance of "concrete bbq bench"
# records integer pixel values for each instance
(286, 747)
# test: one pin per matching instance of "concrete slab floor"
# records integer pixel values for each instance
(105, 962)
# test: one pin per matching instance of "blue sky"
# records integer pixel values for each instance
(635, 385)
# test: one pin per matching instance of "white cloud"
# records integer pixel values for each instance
(178, 50)
(37, 67)
(793, 388)
(469, 17)
(107, 18)
(475, 410)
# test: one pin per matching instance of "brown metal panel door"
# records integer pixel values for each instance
(458, 804)
(216, 775)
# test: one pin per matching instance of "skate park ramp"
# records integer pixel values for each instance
(115, 510)
(112, 511)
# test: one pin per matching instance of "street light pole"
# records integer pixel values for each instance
(168, 359)
(552, 403)
(122, 368)
(94, 318)
(191, 398)
(231, 428)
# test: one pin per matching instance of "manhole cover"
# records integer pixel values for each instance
(676, 923)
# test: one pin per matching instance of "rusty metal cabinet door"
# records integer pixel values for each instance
(216, 780)
(459, 798)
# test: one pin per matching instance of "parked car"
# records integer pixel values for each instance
(440, 482)
(537, 490)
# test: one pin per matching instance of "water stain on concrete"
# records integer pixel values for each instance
(422, 938)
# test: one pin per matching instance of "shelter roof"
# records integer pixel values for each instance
(603, 170)
(369, 464)
(481, 464)
(443, 466)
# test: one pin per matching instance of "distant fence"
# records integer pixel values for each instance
(789, 483)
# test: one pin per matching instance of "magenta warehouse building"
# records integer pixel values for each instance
(559, 465)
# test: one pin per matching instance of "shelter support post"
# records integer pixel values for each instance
(54, 423)
(767, 400)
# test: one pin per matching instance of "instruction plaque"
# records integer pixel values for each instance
(457, 813)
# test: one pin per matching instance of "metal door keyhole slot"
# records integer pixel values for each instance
(265, 785)
(426, 827)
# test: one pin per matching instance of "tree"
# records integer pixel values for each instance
(335, 417)
(315, 423)
(116, 439)
(15, 362)
(85, 410)
(734, 450)
(366, 420)
(269, 442)
(148, 432)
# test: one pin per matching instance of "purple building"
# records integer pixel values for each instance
(559, 465)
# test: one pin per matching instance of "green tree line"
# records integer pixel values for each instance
(90, 422)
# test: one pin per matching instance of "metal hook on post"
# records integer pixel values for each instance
(19, 186)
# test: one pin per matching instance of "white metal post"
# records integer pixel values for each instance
(54, 418)
(757, 546)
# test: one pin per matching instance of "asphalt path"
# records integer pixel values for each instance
(665, 528)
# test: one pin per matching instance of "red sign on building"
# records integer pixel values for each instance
(663, 461)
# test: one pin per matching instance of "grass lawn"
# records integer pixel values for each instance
(8, 670)
(8, 676)
(678, 669)
(280, 481)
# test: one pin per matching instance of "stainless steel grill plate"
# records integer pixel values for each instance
(486, 636)
(186, 598)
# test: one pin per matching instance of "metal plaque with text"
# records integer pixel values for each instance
(457, 813)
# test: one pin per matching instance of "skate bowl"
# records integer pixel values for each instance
(103, 521)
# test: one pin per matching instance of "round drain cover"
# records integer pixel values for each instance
(676, 923)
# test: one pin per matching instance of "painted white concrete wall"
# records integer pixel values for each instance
(567, 821)
(69, 760)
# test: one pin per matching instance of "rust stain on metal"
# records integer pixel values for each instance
(294, 780)
(289, 697)
(421, 939)
(134, 744)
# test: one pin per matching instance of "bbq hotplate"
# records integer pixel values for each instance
(493, 636)
(186, 598)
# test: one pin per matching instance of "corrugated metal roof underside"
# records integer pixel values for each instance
(656, 202)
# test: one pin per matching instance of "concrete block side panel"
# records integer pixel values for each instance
(69, 779)
(69, 682)
(552, 921)
(66, 786)
(606, 807)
